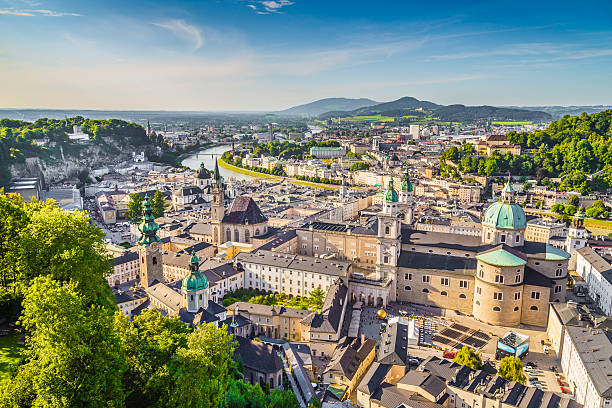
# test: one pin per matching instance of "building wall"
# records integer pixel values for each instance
(577, 375)
(555, 331)
(124, 272)
(274, 380)
(600, 289)
(361, 249)
(534, 310)
(488, 306)
(429, 287)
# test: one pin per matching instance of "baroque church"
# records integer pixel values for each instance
(499, 278)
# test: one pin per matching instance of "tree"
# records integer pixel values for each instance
(570, 209)
(468, 357)
(315, 403)
(148, 343)
(283, 399)
(316, 298)
(558, 208)
(74, 358)
(573, 200)
(67, 247)
(158, 205)
(511, 368)
(198, 375)
(135, 207)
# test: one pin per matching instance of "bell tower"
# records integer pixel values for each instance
(149, 251)
(406, 197)
(217, 206)
(576, 237)
(195, 287)
(388, 239)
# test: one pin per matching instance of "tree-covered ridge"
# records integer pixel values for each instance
(17, 138)
(572, 148)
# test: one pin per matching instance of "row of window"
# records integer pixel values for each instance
(516, 308)
(443, 281)
(443, 293)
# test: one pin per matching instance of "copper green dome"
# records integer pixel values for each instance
(391, 195)
(196, 280)
(505, 215)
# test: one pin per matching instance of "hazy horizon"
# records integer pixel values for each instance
(269, 55)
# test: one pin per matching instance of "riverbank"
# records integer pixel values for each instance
(293, 181)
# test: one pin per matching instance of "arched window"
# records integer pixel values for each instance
(154, 260)
(516, 308)
(228, 235)
(386, 230)
(425, 290)
(462, 296)
(407, 288)
(246, 236)
(236, 235)
(496, 309)
(257, 232)
(443, 293)
(534, 308)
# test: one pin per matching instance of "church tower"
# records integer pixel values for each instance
(389, 236)
(149, 251)
(217, 206)
(576, 237)
(195, 287)
(406, 197)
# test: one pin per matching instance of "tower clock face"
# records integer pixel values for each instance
(154, 246)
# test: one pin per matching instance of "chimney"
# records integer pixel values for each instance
(362, 338)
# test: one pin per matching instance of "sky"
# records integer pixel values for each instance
(264, 55)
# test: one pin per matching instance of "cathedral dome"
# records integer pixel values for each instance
(505, 215)
(195, 280)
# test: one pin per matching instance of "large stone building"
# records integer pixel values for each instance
(243, 220)
(500, 277)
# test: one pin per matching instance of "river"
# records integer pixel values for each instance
(208, 157)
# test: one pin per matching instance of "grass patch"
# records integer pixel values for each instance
(599, 227)
(366, 118)
(9, 354)
(278, 178)
(511, 123)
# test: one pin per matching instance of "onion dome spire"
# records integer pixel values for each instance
(391, 195)
(148, 228)
(406, 184)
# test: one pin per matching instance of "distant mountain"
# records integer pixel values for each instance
(409, 106)
(401, 104)
(316, 108)
(462, 113)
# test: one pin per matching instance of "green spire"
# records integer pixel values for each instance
(148, 228)
(391, 195)
(196, 280)
(406, 184)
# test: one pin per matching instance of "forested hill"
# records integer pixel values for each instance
(454, 113)
(18, 139)
(573, 148)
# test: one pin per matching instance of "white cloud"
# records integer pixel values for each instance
(269, 6)
(39, 12)
(183, 30)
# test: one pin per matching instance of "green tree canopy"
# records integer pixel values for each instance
(135, 207)
(574, 200)
(74, 359)
(467, 356)
(158, 204)
(511, 368)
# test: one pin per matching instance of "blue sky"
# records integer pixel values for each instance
(272, 54)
